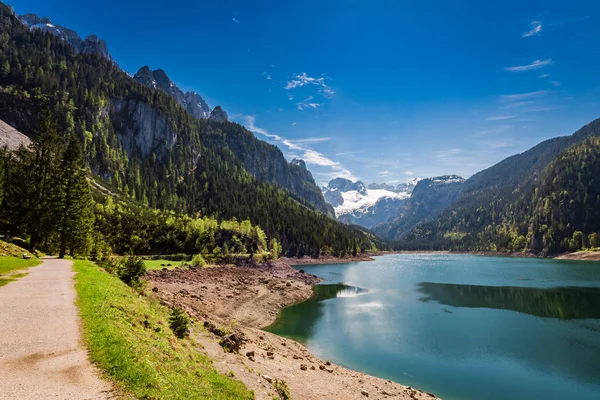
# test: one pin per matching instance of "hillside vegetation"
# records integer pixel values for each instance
(183, 164)
(129, 338)
(556, 212)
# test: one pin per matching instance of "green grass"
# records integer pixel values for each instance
(8, 265)
(160, 264)
(128, 337)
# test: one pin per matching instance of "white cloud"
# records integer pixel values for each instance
(234, 19)
(290, 96)
(409, 173)
(300, 80)
(536, 28)
(534, 65)
(555, 83)
(500, 117)
(309, 155)
(267, 76)
(293, 123)
(544, 76)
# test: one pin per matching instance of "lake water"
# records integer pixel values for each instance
(460, 326)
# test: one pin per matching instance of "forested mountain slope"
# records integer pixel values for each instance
(482, 197)
(554, 210)
(145, 144)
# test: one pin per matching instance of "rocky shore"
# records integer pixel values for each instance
(231, 304)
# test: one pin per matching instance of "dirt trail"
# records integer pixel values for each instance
(41, 352)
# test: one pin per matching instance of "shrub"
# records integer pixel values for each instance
(282, 389)
(131, 269)
(198, 261)
(179, 323)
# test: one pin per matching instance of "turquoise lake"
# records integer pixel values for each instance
(460, 326)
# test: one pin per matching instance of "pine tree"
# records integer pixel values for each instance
(75, 219)
(46, 147)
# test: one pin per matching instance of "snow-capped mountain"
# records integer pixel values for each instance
(429, 198)
(90, 45)
(356, 203)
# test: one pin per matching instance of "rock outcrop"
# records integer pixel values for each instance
(158, 79)
(218, 114)
(90, 45)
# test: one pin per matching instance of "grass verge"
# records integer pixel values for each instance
(160, 264)
(8, 265)
(128, 337)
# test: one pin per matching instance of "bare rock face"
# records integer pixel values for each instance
(218, 114)
(12, 138)
(158, 79)
(142, 129)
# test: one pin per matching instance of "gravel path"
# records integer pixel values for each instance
(41, 351)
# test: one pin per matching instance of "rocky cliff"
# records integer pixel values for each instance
(90, 45)
(428, 199)
(158, 79)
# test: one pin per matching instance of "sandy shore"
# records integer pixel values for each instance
(581, 255)
(239, 301)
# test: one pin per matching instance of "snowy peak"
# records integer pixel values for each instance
(346, 185)
(90, 45)
(355, 203)
(377, 203)
(406, 187)
(192, 102)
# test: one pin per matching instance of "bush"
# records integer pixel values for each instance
(198, 261)
(179, 323)
(131, 270)
(282, 389)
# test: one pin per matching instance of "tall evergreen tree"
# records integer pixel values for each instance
(46, 147)
(75, 204)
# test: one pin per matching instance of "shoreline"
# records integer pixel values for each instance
(237, 302)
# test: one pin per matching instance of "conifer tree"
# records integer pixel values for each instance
(39, 182)
(75, 205)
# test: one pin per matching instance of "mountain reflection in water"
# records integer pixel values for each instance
(558, 302)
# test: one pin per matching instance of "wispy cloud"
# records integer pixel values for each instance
(555, 83)
(311, 140)
(544, 76)
(536, 29)
(500, 117)
(569, 21)
(267, 76)
(309, 155)
(303, 79)
(293, 124)
(534, 65)
(307, 103)
(234, 19)
(525, 96)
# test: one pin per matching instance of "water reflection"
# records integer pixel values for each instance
(559, 302)
(298, 321)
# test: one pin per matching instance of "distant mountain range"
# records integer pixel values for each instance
(380, 203)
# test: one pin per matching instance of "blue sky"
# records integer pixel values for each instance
(382, 91)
